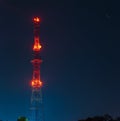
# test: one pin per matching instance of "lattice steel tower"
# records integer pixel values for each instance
(36, 83)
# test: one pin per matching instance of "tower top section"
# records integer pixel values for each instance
(36, 81)
(37, 46)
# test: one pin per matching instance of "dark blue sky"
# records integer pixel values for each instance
(81, 53)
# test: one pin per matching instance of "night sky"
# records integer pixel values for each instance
(81, 53)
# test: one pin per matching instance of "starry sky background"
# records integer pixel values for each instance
(81, 53)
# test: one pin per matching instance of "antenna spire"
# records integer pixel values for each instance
(36, 83)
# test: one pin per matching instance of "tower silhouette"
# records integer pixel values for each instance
(36, 83)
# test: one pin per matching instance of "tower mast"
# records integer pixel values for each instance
(36, 83)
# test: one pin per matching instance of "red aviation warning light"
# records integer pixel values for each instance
(36, 83)
(36, 19)
(37, 45)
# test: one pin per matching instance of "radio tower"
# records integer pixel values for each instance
(36, 83)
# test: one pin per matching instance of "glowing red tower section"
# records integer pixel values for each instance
(36, 83)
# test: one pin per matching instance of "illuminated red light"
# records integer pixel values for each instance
(36, 19)
(37, 47)
(36, 83)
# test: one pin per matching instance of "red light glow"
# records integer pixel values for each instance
(37, 47)
(36, 19)
(36, 83)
